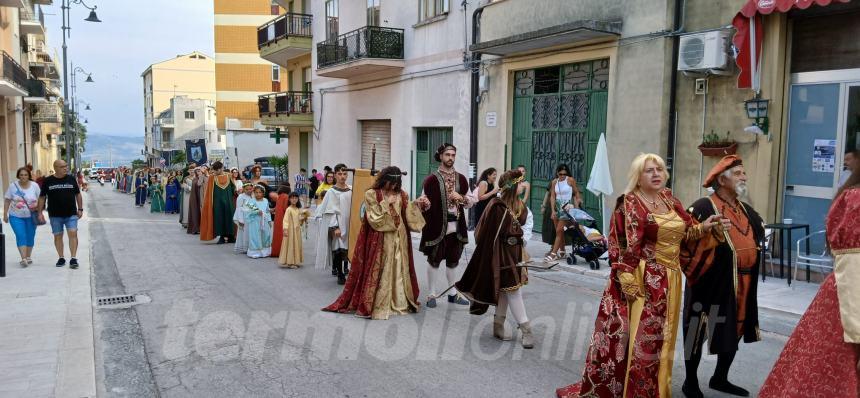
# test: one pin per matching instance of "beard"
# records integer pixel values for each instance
(448, 164)
(741, 190)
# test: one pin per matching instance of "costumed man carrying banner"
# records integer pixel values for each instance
(720, 300)
(446, 196)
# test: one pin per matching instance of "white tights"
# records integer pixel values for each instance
(450, 273)
(518, 307)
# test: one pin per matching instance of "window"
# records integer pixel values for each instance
(306, 80)
(373, 12)
(276, 73)
(331, 24)
(189, 115)
(431, 8)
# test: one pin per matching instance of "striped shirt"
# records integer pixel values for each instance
(301, 181)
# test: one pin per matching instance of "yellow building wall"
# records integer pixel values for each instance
(182, 76)
(234, 78)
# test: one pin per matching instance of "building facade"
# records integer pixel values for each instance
(30, 111)
(382, 83)
(191, 75)
(241, 76)
(187, 119)
(810, 75)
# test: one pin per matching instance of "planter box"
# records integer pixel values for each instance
(719, 151)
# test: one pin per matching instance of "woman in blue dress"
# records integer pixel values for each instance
(140, 185)
(171, 205)
(258, 223)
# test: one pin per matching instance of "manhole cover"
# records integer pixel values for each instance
(121, 301)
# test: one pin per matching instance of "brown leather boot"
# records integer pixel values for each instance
(528, 337)
(499, 328)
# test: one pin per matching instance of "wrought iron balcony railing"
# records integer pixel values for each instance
(366, 42)
(13, 71)
(286, 25)
(36, 88)
(286, 103)
(33, 16)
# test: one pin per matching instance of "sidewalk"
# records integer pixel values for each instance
(46, 321)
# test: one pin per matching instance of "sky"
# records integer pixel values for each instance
(133, 34)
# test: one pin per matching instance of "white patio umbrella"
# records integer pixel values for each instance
(600, 179)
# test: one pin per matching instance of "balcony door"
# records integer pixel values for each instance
(331, 19)
(373, 13)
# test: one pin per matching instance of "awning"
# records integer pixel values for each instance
(748, 38)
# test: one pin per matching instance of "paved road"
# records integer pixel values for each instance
(223, 325)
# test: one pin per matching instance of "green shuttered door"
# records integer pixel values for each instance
(559, 114)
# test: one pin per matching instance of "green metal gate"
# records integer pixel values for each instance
(559, 113)
(428, 140)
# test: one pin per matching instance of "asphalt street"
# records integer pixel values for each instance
(224, 325)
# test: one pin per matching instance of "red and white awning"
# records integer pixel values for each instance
(750, 31)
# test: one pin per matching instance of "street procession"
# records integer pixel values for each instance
(430, 198)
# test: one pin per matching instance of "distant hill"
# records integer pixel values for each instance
(123, 149)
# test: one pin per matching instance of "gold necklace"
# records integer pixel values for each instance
(653, 203)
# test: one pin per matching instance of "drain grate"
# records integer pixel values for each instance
(116, 300)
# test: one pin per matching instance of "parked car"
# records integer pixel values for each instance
(268, 175)
(93, 174)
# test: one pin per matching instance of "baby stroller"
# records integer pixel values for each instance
(587, 241)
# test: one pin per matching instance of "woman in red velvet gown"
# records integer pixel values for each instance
(822, 357)
(633, 344)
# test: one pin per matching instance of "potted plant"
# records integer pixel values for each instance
(714, 145)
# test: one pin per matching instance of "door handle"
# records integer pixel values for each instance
(789, 188)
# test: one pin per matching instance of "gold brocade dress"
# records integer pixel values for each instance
(291, 245)
(394, 293)
(671, 231)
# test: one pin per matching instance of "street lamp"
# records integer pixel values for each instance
(756, 109)
(75, 100)
(66, 6)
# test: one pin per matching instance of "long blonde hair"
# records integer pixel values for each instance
(638, 166)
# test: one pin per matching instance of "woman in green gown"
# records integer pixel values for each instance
(156, 195)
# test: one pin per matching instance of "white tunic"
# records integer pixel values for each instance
(334, 211)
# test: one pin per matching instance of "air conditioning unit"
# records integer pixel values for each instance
(705, 52)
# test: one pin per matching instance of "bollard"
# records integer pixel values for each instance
(2, 252)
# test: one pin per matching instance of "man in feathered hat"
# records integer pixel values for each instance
(720, 300)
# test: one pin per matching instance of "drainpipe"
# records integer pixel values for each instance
(474, 69)
(678, 27)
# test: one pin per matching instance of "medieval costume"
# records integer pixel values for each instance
(291, 253)
(258, 223)
(493, 276)
(140, 184)
(156, 197)
(171, 194)
(822, 356)
(194, 203)
(280, 209)
(217, 215)
(184, 199)
(382, 278)
(445, 231)
(239, 217)
(634, 340)
(333, 213)
(720, 302)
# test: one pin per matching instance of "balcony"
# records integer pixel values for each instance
(37, 92)
(286, 37)
(32, 21)
(366, 50)
(289, 108)
(42, 2)
(13, 78)
(12, 3)
(47, 113)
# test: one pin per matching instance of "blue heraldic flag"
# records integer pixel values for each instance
(195, 151)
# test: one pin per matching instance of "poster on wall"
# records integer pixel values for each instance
(824, 156)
